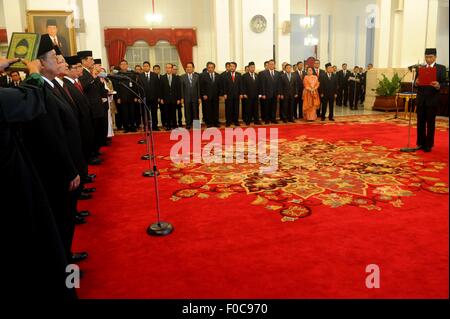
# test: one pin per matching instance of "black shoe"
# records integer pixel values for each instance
(427, 149)
(84, 213)
(323, 119)
(84, 196)
(258, 123)
(331, 120)
(237, 124)
(247, 123)
(79, 220)
(227, 125)
(95, 161)
(156, 129)
(285, 121)
(266, 122)
(292, 121)
(89, 190)
(77, 257)
(275, 122)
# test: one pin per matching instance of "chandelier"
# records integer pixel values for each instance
(153, 17)
(310, 40)
(307, 22)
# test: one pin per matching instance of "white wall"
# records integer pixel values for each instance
(176, 14)
(344, 34)
(2, 16)
(442, 34)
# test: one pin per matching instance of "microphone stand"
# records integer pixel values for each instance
(159, 228)
(409, 149)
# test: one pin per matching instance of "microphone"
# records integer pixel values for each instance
(114, 76)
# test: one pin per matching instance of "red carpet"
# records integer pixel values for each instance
(363, 202)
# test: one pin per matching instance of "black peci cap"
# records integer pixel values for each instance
(72, 60)
(98, 61)
(45, 45)
(430, 51)
(84, 54)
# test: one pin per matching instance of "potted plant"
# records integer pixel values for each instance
(386, 92)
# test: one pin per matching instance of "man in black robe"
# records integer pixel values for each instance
(36, 257)
(49, 144)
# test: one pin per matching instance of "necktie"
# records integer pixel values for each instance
(329, 76)
(271, 73)
(170, 80)
(190, 79)
(289, 77)
(68, 93)
(253, 76)
(78, 86)
(232, 76)
(148, 76)
(211, 75)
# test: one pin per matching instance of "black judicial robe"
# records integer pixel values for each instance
(36, 260)
(72, 130)
(83, 114)
(94, 90)
(46, 140)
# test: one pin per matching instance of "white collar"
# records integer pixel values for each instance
(48, 81)
(432, 65)
(61, 82)
(70, 79)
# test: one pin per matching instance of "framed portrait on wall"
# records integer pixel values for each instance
(58, 24)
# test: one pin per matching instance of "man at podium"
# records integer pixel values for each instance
(429, 80)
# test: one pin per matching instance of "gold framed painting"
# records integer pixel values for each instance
(58, 24)
(23, 46)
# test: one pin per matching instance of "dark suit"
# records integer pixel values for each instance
(427, 106)
(270, 89)
(210, 87)
(298, 105)
(150, 83)
(288, 90)
(342, 77)
(190, 93)
(232, 89)
(170, 94)
(328, 88)
(84, 118)
(354, 87)
(126, 106)
(94, 90)
(250, 88)
(51, 139)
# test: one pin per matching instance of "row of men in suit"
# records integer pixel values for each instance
(170, 92)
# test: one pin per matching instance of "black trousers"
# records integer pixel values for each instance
(153, 106)
(170, 115)
(271, 109)
(298, 108)
(191, 112)
(263, 106)
(286, 109)
(353, 96)
(210, 108)
(327, 101)
(250, 110)
(99, 133)
(179, 115)
(232, 110)
(128, 115)
(426, 123)
(342, 96)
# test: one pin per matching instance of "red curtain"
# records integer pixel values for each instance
(117, 40)
(116, 52)
(3, 36)
(184, 48)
